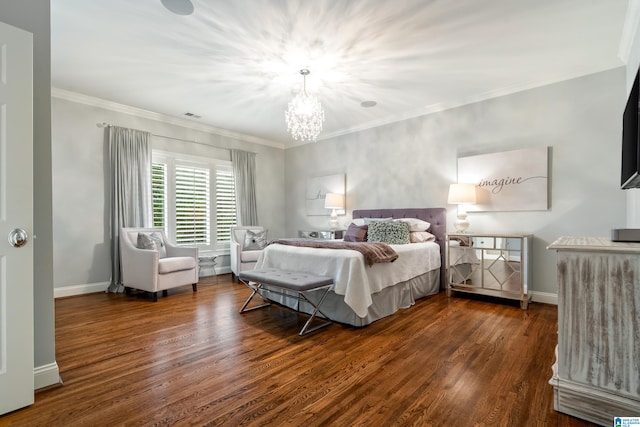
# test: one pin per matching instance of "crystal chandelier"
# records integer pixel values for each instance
(304, 114)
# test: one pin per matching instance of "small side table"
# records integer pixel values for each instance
(206, 262)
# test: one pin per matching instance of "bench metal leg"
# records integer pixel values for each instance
(305, 329)
(256, 290)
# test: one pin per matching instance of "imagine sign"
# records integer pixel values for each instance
(508, 181)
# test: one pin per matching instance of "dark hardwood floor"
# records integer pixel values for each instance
(192, 359)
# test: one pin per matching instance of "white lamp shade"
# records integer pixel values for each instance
(334, 201)
(462, 194)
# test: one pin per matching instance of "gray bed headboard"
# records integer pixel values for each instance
(436, 216)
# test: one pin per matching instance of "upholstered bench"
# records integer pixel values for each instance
(276, 281)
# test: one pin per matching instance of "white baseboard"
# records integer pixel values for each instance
(544, 297)
(46, 375)
(67, 291)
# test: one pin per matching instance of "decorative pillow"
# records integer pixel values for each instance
(152, 241)
(356, 233)
(146, 242)
(421, 236)
(391, 232)
(162, 249)
(415, 224)
(255, 240)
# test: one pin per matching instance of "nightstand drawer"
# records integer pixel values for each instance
(510, 243)
(483, 242)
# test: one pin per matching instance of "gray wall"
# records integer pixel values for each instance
(81, 189)
(34, 16)
(411, 163)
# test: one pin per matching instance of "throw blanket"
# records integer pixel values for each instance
(373, 252)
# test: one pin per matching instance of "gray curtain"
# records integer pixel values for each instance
(130, 195)
(244, 172)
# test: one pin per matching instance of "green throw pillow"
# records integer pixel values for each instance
(390, 232)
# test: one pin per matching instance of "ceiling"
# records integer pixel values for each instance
(236, 63)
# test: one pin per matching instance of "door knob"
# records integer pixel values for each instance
(17, 237)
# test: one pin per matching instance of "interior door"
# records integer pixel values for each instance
(16, 218)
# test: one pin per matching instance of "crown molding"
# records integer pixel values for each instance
(164, 118)
(629, 30)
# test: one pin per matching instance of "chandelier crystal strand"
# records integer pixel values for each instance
(304, 115)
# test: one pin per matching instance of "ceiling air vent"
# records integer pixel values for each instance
(194, 116)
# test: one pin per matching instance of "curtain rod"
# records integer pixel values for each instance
(106, 125)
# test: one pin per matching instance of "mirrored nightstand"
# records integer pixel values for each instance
(321, 234)
(497, 265)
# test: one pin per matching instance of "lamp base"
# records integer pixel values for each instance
(333, 221)
(461, 224)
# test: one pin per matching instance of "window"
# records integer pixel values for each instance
(186, 191)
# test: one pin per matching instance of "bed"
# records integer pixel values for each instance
(364, 294)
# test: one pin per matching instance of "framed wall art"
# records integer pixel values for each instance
(508, 181)
(317, 189)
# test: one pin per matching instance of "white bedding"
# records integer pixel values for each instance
(352, 277)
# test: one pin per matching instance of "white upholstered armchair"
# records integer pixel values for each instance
(160, 266)
(243, 258)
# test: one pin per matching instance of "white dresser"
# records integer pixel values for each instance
(596, 376)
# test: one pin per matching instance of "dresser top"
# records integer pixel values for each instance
(593, 244)
(501, 235)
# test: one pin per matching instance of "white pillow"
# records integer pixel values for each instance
(368, 221)
(421, 236)
(358, 221)
(415, 224)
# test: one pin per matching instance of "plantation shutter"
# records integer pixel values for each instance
(159, 194)
(192, 207)
(225, 204)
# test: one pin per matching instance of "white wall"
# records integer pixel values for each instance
(411, 163)
(81, 186)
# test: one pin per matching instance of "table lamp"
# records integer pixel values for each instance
(462, 194)
(334, 201)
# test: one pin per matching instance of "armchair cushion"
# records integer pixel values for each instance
(169, 265)
(249, 256)
(255, 240)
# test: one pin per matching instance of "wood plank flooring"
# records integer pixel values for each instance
(192, 359)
